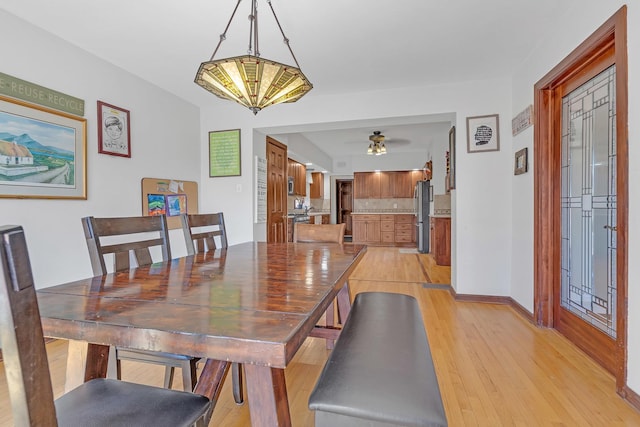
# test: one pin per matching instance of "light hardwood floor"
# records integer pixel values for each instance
(494, 368)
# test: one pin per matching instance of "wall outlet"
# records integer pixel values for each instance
(395, 206)
(238, 188)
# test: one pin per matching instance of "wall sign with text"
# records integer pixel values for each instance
(224, 153)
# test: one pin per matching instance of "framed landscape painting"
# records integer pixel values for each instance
(43, 152)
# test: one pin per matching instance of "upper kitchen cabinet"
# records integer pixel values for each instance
(366, 185)
(298, 172)
(385, 185)
(316, 187)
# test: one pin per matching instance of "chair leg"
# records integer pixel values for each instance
(236, 376)
(168, 376)
(112, 364)
(189, 374)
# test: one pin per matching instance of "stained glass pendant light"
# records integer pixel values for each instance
(249, 79)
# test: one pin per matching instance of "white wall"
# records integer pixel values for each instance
(551, 49)
(165, 142)
(484, 179)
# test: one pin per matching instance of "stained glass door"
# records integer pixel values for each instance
(588, 203)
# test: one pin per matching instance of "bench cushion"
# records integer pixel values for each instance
(380, 372)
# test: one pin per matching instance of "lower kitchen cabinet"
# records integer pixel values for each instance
(366, 228)
(441, 240)
(385, 229)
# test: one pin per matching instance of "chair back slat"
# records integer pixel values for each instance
(329, 233)
(134, 231)
(21, 336)
(201, 230)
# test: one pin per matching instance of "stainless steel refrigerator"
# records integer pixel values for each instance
(421, 200)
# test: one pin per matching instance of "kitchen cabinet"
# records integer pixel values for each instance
(385, 185)
(366, 185)
(441, 240)
(319, 219)
(386, 229)
(289, 229)
(316, 187)
(366, 228)
(405, 229)
(298, 172)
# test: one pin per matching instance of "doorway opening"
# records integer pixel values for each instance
(344, 206)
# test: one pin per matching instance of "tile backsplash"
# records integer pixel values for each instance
(442, 204)
(383, 205)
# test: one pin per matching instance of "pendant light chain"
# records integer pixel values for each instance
(285, 39)
(223, 36)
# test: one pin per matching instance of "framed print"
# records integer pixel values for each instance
(452, 158)
(483, 134)
(224, 153)
(43, 152)
(114, 134)
(521, 162)
(176, 204)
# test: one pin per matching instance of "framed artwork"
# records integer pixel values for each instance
(224, 153)
(176, 204)
(483, 134)
(521, 162)
(452, 158)
(114, 130)
(156, 204)
(43, 152)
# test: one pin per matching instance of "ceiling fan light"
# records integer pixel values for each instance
(377, 146)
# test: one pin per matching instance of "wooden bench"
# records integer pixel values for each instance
(380, 372)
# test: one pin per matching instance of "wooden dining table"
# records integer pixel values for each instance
(254, 303)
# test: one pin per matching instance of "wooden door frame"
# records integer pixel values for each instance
(547, 226)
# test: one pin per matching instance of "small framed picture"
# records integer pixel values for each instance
(224, 153)
(156, 204)
(483, 134)
(114, 135)
(176, 204)
(521, 162)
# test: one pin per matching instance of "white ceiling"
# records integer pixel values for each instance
(341, 45)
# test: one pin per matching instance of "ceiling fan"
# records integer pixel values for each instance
(376, 147)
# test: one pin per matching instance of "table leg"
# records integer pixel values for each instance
(344, 303)
(330, 323)
(76, 358)
(85, 362)
(267, 395)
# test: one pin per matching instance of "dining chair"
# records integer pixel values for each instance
(202, 230)
(99, 402)
(326, 233)
(322, 233)
(200, 234)
(133, 237)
